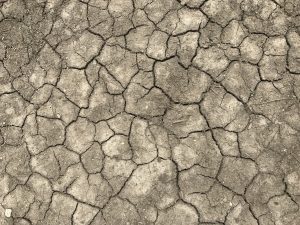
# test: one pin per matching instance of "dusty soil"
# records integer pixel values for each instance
(149, 112)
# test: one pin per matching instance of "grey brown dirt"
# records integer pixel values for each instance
(149, 112)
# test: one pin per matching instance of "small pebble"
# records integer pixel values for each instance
(8, 212)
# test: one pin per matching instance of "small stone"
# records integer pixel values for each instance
(8, 213)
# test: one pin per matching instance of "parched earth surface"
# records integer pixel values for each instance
(149, 112)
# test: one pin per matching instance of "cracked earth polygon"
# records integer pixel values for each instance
(149, 112)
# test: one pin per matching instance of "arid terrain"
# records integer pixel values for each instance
(149, 112)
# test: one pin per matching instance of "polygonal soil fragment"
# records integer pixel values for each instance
(198, 149)
(192, 3)
(273, 20)
(284, 209)
(240, 79)
(80, 135)
(121, 13)
(14, 35)
(183, 120)
(117, 172)
(252, 139)
(188, 46)
(23, 87)
(102, 105)
(13, 109)
(117, 147)
(193, 180)
(189, 20)
(79, 50)
(241, 215)
(47, 68)
(74, 15)
(180, 214)
(103, 132)
(294, 52)
(5, 84)
(268, 162)
(53, 162)
(210, 35)
(223, 110)
(19, 201)
(60, 210)
(222, 11)
(15, 162)
(74, 84)
(276, 46)
(145, 102)
(145, 79)
(269, 100)
(12, 135)
(234, 33)
(96, 189)
(84, 214)
(261, 9)
(272, 67)
(119, 62)
(41, 95)
(215, 204)
(211, 60)
(157, 45)
(35, 143)
(92, 159)
(162, 139)
(251, 48)
(158, 9)
(119, 211)
(185, 86)
(291, 117)
(152, 184)
(52, 130)
(138, 38)
(92, 72)
(262, 189)
(59, 107)
(121, 123)
(237, 173)
(227, 141)
(42, 189)
(118, 8)
(292, 182)
(142, 142)
(101, 22)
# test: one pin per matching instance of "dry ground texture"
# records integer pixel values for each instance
(149, 112)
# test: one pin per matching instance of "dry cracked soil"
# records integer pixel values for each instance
(149, 112)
